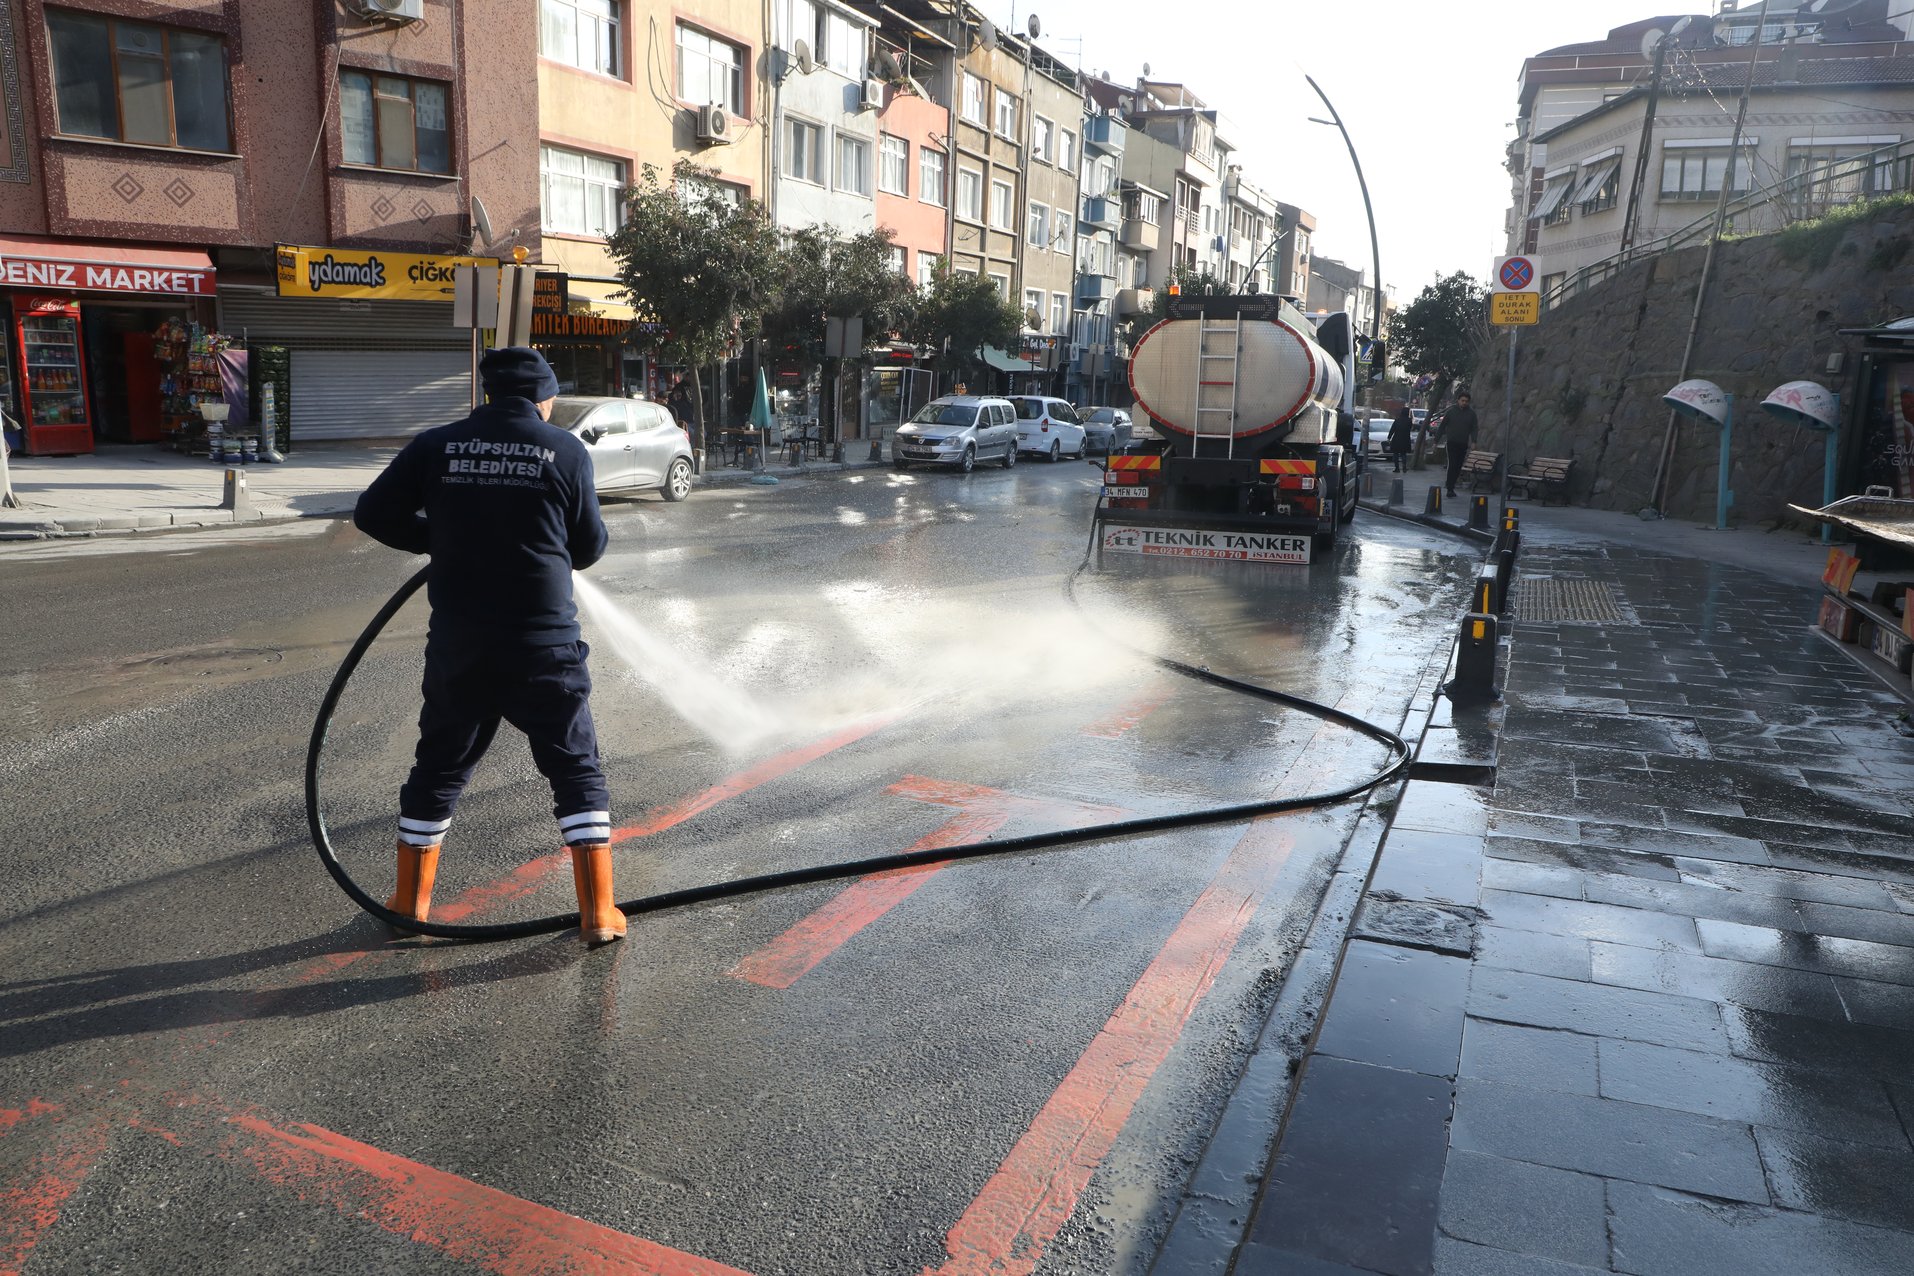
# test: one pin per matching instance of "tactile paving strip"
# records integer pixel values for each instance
(1569, 601)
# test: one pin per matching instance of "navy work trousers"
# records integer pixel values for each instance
(543, 691)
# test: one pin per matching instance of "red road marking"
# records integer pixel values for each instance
(30, 1202)
(1129, 715)
(784, 960)
(493, 1230)
(1030, 1197)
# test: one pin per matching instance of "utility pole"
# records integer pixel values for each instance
(1375, 252)
(1631, 220)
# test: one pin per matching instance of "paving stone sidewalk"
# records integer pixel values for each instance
(1657, 1014)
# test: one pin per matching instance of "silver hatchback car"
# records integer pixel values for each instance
(958, 430)
(635, 445)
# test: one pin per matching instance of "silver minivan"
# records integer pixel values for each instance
(958, 430)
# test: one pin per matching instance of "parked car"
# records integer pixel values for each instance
(635, 445)
(1373, 434)
(1106, 429)
(1048, 427)
(958, 430)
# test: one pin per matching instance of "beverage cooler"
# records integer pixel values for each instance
(55, 406)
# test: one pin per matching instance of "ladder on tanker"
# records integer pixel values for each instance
(1215, 371)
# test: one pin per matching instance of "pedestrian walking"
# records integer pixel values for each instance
(1401, 438)
(504, 503)
(1458, 431)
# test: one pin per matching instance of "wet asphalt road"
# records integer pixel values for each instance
(209, 1062)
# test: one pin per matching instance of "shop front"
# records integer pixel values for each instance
(367, 335)
(583, 338)
(83, 333)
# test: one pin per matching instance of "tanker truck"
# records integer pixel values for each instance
(1251, 465)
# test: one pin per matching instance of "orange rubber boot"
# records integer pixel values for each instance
(418, 868)
(599, 921)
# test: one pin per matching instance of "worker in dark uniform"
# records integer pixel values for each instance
(505, 504)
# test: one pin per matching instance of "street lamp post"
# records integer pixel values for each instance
(1375, 252)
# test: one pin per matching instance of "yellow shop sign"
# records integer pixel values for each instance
(368, 275)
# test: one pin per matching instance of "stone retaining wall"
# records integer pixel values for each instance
(1589, 377)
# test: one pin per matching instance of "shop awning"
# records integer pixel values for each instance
(1554, 193)
(66, 265)
(602, 308)
(1003, 362)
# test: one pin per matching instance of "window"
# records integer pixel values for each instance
(1697, 172)
(853, 164)
(897, 256)
(133, 82)
(1059, 312)
(974, 100)
(1043, 139)
(1033, 305)
(1039, 230)
(393, 122)
(926, 269)
(804, 159)
(1003, 206)
(1064, 233)
(804, 26)
(842, 45)
(1552, 208)
(1601, 186)
(1551, 284)
(930, 176)
(1003, 285)
(893, 165)
(1067, 151)
(710, 192)
(710, 70)
(580, 193)
(1007, 114)
(580, 33)
(970, 194)
(1827, 173)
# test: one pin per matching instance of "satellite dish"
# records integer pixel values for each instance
(481, 222)
(887, 68)
(1032, 320)
(987, 34)
(802, 51)
(1651, 40)
(1036, 27)
(1146, 70)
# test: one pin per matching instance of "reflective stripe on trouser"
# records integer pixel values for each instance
(545, 692)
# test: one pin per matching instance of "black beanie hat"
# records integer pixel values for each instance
(518, 372)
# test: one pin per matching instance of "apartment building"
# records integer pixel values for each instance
(1054, 142)
(1831, 100)
(824, 107)
(295, 175)
(1251, 223)
(987, 193)
(1294, 253)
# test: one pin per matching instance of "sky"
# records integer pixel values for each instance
(1426, 89)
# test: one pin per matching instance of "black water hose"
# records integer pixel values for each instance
(321, 840)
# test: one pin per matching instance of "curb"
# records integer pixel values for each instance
(1428, 520)
(1219, 1201)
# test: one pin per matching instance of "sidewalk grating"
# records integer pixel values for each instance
(1570, 601)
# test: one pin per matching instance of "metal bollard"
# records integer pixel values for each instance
(1478, 513)
(1474, 660)
(1511, 537)
(1484, 598)
(1504, 578)
(837, 453)
(1435, 499)
(877, 450)
(1395, 491)
(1368, 482)
(235, 497)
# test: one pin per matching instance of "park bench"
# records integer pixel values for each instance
(1545, 476)
(1480, 468)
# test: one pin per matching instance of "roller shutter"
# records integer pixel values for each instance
(377, 394)
(360, 370)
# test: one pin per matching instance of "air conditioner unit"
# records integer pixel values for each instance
(714, 126)
(873, 96)
(390, 10)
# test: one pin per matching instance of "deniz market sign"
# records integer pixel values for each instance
(362, 275)
(1180, 542)
(52, 275)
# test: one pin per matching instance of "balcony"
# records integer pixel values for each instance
(1134, 301)
(1104, 133)
(1102, 212)
(1093, 288)
(1141, 235)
